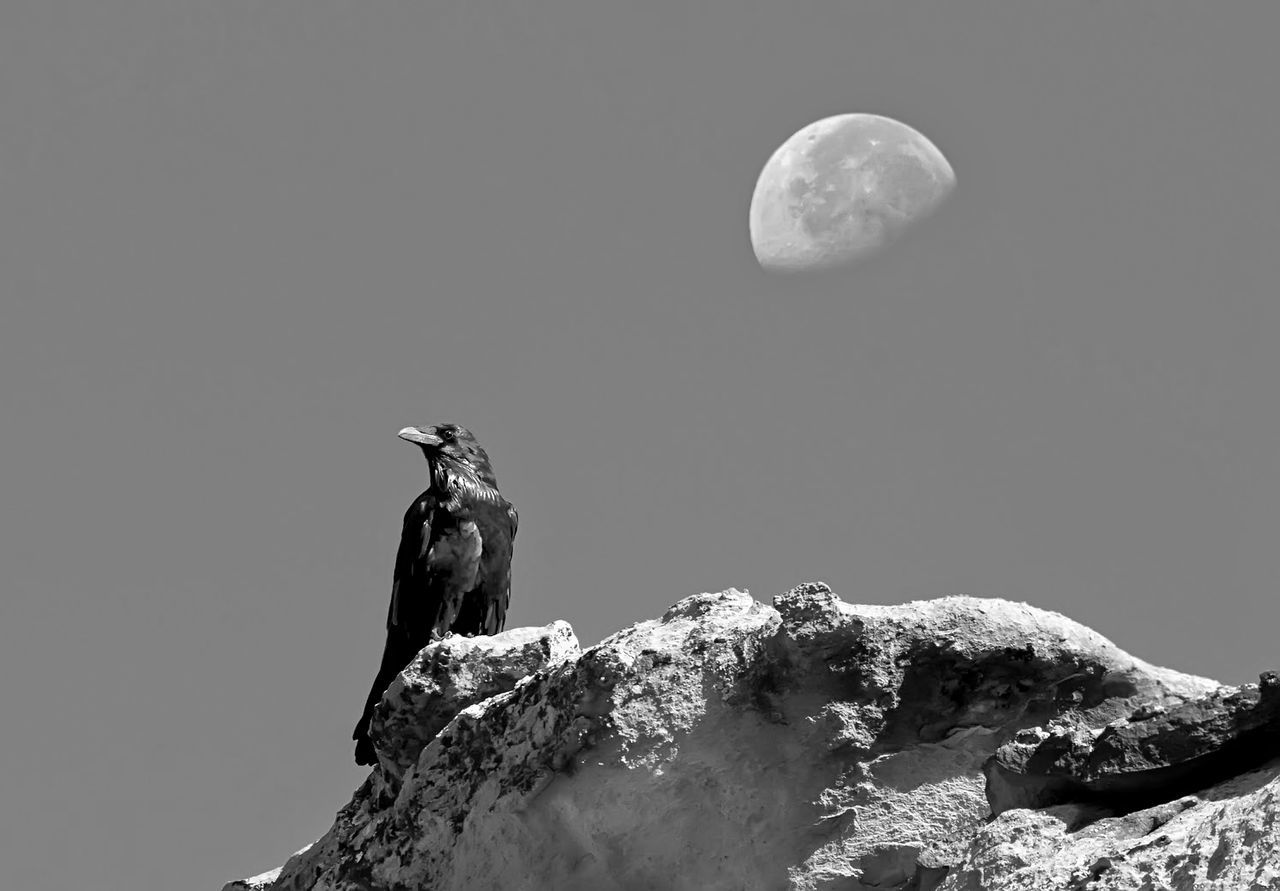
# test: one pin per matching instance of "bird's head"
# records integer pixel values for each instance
(454, 442)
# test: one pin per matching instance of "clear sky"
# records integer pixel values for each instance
(242, 244)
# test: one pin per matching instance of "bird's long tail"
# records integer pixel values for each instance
(395, 656)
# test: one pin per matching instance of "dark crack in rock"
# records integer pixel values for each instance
(1155, 755)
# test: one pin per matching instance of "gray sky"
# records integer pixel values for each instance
(242, 244)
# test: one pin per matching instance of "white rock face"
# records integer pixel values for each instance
(261, 882)
(1224, 839)
(813, 744)
(454, 673)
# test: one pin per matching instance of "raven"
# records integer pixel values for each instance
(453, 569)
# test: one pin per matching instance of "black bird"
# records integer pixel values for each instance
(453, 569)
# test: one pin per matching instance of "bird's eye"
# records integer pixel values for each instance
(447, 435)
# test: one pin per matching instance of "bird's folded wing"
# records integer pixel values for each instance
(414, 542)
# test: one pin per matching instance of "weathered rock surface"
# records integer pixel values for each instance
(1224, 838)
(813, 744)
(1179, 798)
(261, 882)
(1153, 755)
(452, 674)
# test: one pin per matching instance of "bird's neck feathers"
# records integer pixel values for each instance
(442, 469)
(478, 463)
(450, 476)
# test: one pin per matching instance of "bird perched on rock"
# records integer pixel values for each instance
(453, 569)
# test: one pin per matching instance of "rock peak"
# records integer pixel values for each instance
(959, 744)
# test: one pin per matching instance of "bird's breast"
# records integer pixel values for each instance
(457, 552)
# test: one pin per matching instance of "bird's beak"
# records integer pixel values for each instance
(422, 437)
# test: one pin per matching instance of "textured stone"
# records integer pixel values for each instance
(814, 744)
(1153, 755)
(1226, 838)
(451, 674)
(262, 882)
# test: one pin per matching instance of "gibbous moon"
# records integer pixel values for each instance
(841, 189)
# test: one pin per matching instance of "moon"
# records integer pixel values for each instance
(842, 189)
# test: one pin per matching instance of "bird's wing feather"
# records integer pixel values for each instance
(497, 596)
(401, 644)
(504, 600)
(415, 543)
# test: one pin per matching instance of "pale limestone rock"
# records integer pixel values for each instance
(1225, 838)
(814, 744)
(262, 882)
(451, 674)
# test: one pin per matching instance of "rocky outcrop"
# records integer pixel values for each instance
(1184, 797)
(1223, 838)
(453, 674)
(263, 882)
(1153, 755)
(812, 744)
